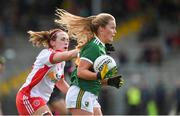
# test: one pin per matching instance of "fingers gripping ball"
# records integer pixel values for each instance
(105, 66)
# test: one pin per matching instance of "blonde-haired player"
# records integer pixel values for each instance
(92, 34)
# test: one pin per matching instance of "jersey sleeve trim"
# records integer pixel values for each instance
(51, 58)
(99, 41)
(86, 60)
(62, 76)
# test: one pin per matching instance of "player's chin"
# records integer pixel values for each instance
(110, 40)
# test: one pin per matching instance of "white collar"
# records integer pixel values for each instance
(99, 40)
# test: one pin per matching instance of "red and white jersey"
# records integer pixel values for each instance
(40, 82)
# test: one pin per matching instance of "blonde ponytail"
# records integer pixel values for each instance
(82, 28)
(78, 27)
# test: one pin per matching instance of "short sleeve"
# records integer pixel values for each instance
(45, 57)
(90, 53)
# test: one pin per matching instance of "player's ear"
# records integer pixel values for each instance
(52, 43)
(101, 28)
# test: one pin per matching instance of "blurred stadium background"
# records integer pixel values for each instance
(147, 50)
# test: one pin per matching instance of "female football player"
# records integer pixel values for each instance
(92, 33)
(47, 71)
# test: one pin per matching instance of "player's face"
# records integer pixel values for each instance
(62, 41)
(109, 31)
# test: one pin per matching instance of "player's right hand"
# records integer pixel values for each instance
(116, 81)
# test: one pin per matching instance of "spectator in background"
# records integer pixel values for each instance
(149, 31)
(2, 37)
(145, 95)
(177, 97)
(2, 67)
(105, 101)
(133, 96)
(2, 64)
(133, 100)
(123, 58)
(152, 109)
(151, 55)
(168, 10)
(160, 98)
(133, 6)
(173, 42)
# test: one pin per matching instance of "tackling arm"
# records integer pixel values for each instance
(65, 56)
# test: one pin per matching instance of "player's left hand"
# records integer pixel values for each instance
(112, 72)
(109, 48)
(116, 81)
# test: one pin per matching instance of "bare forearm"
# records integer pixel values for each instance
(72, 53)
(86, 74)
(65, 56)
(63, 86)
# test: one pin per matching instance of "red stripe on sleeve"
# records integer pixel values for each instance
(51, 58)
(62, 76)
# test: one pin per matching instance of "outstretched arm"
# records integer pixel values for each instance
(65, 56)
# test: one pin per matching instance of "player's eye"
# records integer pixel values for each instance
(64, 39)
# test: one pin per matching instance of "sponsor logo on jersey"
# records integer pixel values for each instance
(52, 76)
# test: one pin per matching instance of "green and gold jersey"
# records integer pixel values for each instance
(92, 50)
